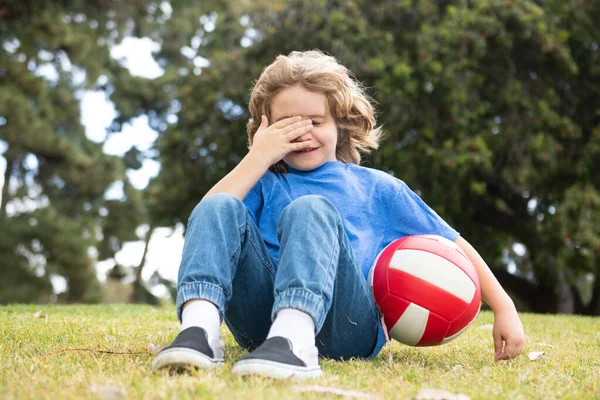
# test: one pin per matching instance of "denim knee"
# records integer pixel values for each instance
(311, 204)
(217, 204)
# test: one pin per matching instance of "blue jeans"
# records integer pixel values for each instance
(226, 262)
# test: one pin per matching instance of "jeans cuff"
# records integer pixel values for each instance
(200, 291)
(303, 300)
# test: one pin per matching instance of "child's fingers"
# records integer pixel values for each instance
(305, 126)
(498, 342)
(300, 145)
(512, 349)
(286, 121)
(295, 126)
(264, 123)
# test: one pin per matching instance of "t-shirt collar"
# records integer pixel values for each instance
(328, 166)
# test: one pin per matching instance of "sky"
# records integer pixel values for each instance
(164, 253)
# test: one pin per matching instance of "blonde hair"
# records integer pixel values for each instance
(349, 105)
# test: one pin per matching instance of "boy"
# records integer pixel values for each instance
(280, 248)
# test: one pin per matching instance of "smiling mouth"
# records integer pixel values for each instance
(306, 150)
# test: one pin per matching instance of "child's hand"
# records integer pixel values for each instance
(273, 142)
(508, 333)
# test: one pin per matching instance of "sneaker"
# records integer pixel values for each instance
(190, 349)
(275, 359)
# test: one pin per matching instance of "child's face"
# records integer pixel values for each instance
(296, 100)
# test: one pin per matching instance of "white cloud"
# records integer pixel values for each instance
(115, 191)
(140, 178)
(47, 71)
(59, 284)
(136, 55)
(137, 133)
(97, 113)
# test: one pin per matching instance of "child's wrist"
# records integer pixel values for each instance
(258, 161)
(503, 304)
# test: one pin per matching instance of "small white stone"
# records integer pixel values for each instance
(534, 355)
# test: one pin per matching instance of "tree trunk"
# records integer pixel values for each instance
(565, 302)
(10, 166)
(83, 285)
(593, 308)
(545, 296)
(554, 294)
(579, 306)
(559, 297)
(138, 271)
(140, 293)
(518, 287)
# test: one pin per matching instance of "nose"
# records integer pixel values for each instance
(303, 138)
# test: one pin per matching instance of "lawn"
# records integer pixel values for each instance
(105, 352)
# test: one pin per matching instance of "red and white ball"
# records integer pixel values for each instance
(426, 288)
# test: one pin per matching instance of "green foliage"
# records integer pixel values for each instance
(491, 111)
(56, 177)
(19, 280)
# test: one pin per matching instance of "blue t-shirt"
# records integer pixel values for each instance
(375, 207)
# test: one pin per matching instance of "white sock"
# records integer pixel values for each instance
(204, 314)
(296, 326)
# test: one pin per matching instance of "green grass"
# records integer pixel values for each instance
(37, 361)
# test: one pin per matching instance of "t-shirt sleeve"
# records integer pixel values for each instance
(254, 202)
(417, 218)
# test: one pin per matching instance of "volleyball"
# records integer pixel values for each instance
(426, 288)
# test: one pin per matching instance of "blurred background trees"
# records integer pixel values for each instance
(491, 109)
(55, 177)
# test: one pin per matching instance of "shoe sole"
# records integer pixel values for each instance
(183, 357)
(275, 370)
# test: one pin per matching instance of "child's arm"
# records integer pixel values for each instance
(271, 143)
(508, 330)
(242, 178)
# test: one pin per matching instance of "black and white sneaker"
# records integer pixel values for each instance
(190, 349)
(275, 359)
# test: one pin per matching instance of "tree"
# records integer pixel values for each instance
(56, 177)
(491, 109)
(508, 123)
